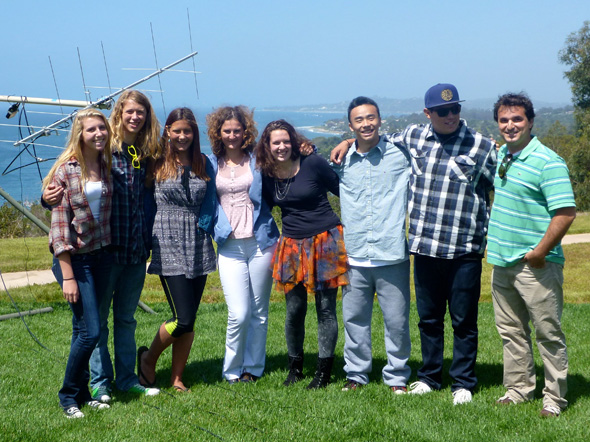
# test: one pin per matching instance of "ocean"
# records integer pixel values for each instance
(24, 184)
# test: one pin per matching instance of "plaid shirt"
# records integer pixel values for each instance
(449, 191)
(130, 236)
(73, 228)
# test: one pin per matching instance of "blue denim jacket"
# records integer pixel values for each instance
(265, 228)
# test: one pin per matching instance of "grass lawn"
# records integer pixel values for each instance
(31, 376)
(32, 253)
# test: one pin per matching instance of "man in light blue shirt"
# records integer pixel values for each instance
(373, 200)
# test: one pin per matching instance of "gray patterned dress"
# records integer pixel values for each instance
(179, 246)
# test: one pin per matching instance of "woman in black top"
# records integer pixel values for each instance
(310, 256)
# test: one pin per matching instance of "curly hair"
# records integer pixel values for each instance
(265, 161)
(243, 115)
(147, 142)
(74, 146)
(167, 165)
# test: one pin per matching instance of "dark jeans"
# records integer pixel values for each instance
(90, 271)
(458, 283)
(325, 305)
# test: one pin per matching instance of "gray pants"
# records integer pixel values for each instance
(392, 285)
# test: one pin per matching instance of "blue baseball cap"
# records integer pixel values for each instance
(441, 94)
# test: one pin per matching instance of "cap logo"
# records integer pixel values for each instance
(446, 95)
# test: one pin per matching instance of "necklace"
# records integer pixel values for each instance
(281, 190)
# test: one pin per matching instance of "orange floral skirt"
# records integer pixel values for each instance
(319, 262)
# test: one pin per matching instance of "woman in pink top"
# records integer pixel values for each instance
(246, 237)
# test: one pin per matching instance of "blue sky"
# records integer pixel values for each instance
(264, 53)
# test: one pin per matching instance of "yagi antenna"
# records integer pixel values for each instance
(190, 36)
(156, 59)
(102, 101)
(86, 91)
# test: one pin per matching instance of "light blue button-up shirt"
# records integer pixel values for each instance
(373, 201)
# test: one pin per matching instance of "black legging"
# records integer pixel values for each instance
(184, 297)
(325, 304)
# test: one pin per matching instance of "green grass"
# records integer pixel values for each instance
(30, 378)
(27, 253)
(581, 223)
(576, 290)
(32, 253)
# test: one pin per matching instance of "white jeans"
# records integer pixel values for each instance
(246, 278)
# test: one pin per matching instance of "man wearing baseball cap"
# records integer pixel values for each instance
(453, 170)
(452, 173)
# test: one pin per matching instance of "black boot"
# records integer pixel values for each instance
(322, 373)
(295, 370)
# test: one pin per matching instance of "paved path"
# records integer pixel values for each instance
(21, 279)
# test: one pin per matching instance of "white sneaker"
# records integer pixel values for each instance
(73, 413)
(152, 391)
(98, 405)
(101, 394)
(140, 389)
(420, 387)
(462, 396)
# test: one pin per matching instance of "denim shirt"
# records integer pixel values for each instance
(264, 226)
(373, 202)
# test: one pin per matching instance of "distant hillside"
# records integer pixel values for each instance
(393, 106)
(478, 119)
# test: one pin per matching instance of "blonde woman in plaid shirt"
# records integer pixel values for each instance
(135, 141)
(80, 232)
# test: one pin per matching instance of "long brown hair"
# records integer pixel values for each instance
(74, 147)
(167, 164)
(242, 115)
(264, 159)
(147, 141)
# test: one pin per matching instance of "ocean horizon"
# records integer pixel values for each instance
(24, 184)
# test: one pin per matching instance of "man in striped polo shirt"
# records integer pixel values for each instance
(533, 208)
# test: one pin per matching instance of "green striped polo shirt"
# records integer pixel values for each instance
(536, 184)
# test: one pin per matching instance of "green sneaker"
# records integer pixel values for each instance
(101, 394)
(140, 389)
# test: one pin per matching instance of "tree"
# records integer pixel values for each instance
(576, 54)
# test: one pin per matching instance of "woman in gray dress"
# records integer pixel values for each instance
(182, 251)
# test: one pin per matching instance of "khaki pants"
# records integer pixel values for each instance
(522, 294)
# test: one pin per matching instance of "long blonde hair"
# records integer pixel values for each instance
(74, 146)
(147, 143)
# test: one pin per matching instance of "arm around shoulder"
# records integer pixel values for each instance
(339, 152)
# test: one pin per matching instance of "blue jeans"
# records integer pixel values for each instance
(392, 285)
(123, 289)
(91, 271)
(458, 283)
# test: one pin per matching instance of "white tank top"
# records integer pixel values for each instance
(93, 191)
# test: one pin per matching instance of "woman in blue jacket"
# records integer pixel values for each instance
(246, 237)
